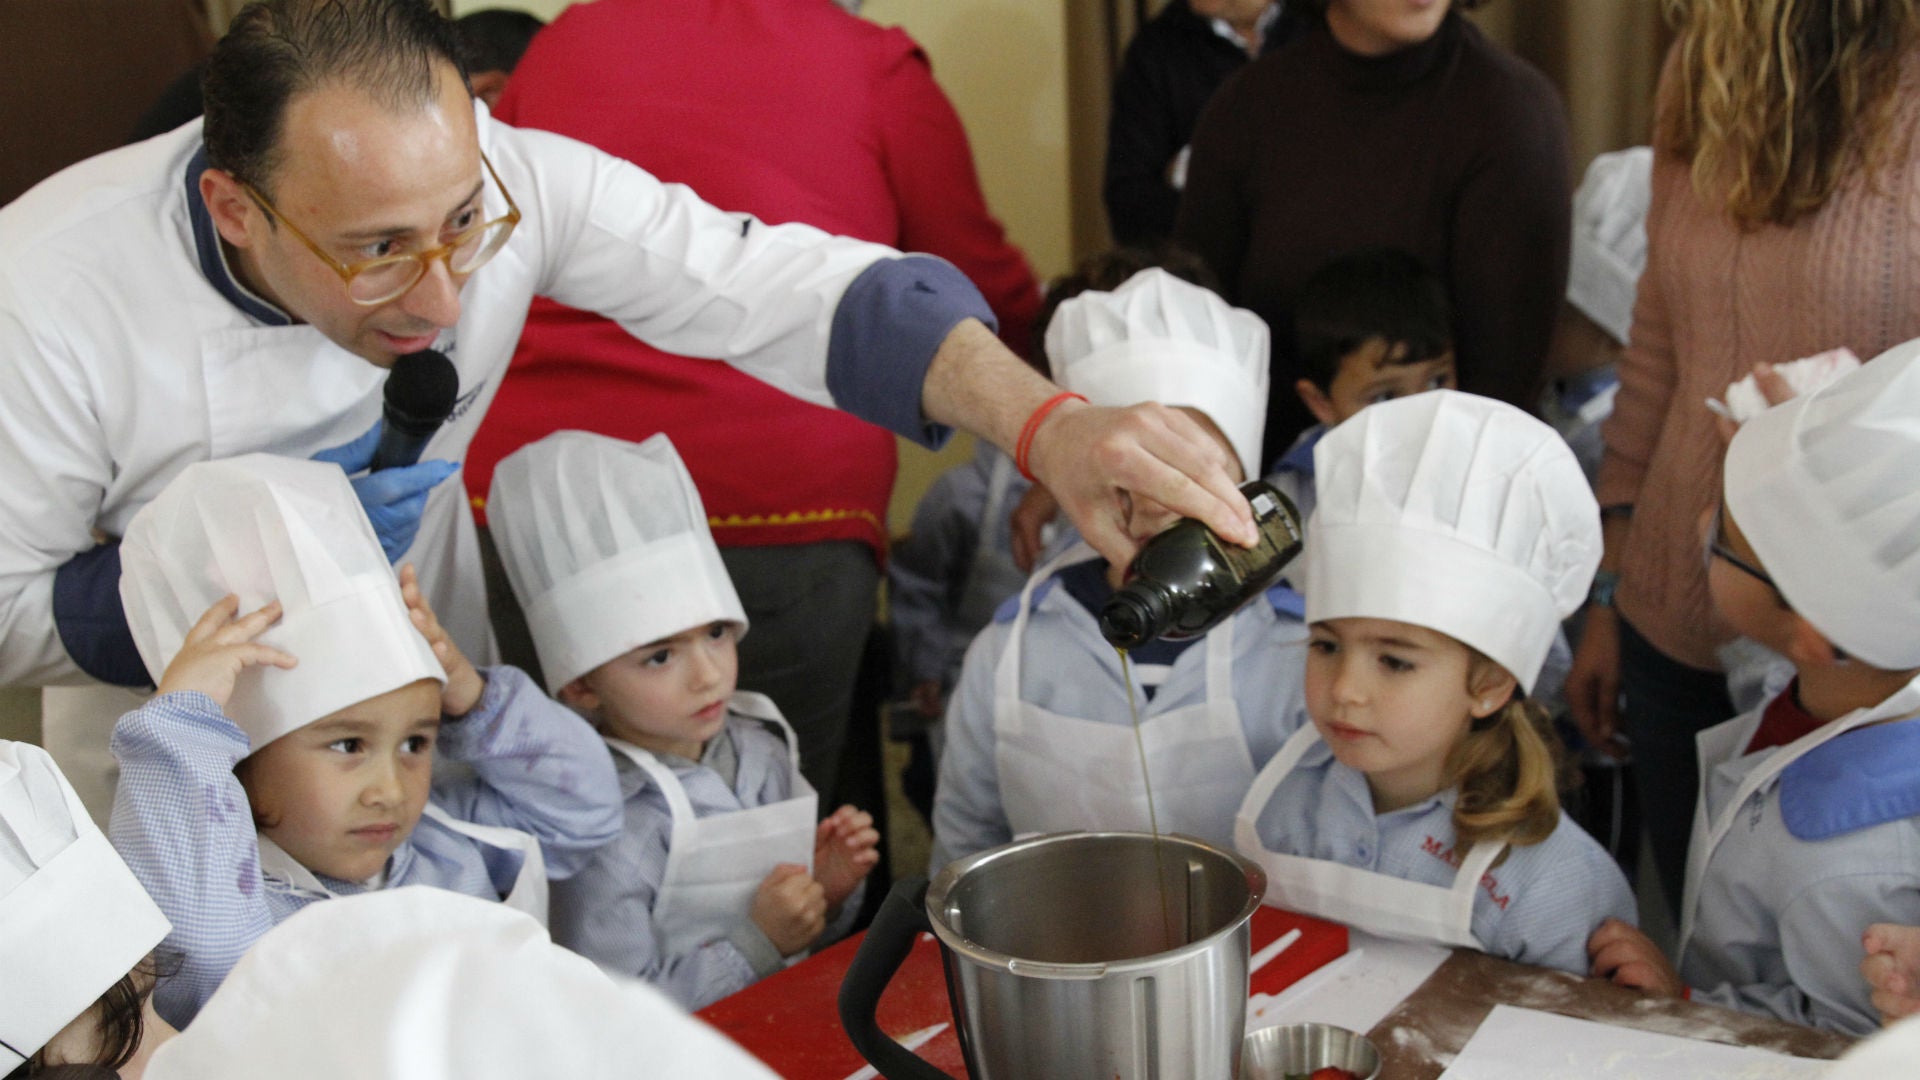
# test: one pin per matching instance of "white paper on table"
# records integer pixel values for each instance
(1524, 1044)
(1355, 991)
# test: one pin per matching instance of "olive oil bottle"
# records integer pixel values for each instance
(1186, 580)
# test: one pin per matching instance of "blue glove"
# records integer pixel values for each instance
(394, 499)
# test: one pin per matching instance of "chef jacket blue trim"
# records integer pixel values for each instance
(1858, 780)
(1286, 601)
(889, 324)
(91, 620)
(213, 261)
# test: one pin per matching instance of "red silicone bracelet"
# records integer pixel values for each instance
(1025, 442)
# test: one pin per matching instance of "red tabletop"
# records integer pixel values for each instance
(791, 1020)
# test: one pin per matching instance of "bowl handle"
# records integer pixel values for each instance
(902, 918)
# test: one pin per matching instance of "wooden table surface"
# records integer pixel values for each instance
(1418, 1039)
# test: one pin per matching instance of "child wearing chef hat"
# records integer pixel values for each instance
(1040, 731)
(288, 754)
(77, 932)
(1608, 255)
(721, 871)
(1452, 535)
(339, 991)
(1809, 813)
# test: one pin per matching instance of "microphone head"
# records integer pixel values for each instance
(421, 389)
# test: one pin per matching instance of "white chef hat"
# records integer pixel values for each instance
(1610, 238)
(73, 921)
(1826, 487)
(1457, 513)
(271, 528)
(419, 983)
(606, 544)
(1159, 338)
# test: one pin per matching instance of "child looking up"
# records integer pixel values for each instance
(1809, 815)
(287, 756)
(1040, 737)
(721, 870)
(1367, 327)
(1453, 533)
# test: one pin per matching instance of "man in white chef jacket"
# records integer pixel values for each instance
(244, 287)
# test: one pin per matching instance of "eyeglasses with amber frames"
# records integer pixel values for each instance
(377, 281)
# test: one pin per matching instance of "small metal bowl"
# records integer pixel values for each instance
(1274, 1053)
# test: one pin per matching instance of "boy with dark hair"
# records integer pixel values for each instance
(1369, 326)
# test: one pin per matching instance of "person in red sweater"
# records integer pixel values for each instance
(793, 111)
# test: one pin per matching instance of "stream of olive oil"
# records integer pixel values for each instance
(1153, 818)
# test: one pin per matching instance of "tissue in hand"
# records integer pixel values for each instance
(1744, 400)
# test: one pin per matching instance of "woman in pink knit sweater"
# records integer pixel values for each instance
(1785, 221)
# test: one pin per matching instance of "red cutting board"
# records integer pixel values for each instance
(791, 1020)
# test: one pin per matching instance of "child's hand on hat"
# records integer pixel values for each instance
(1892, 968)
(464, 684)
(790, 908)
(1628, 957)
(845, 847)
(220, 647)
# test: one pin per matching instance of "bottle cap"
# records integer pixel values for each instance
(1133, 616)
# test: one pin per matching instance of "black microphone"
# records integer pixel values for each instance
(421, 390)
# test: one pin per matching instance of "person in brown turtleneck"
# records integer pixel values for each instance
(1389, 123)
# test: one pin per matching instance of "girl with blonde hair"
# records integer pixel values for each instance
(1451, 536)
(1783, 224)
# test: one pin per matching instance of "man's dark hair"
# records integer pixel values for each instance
(276, 49)
(495, 39)
(1375, 293)
(1106, 271)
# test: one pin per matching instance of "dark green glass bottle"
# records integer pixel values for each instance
(1186, 580)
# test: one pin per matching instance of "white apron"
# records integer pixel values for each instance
(1365, 899)
(1061, 773)
(992, 575)
(1722, 743)
(715, 864)
(529, 892)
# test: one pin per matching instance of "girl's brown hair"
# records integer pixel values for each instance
(1781, 100)
(1506, 770)
(121, 1021)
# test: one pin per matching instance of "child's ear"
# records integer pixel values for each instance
(1491, 688)
(578, 695)
(1316, 401)
(1809, 647)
